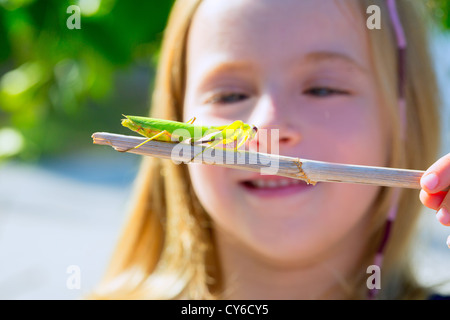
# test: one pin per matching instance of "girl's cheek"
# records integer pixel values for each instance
(347, 134)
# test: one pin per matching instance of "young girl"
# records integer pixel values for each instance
(337, 91)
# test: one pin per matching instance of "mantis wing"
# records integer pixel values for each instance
(213, 136)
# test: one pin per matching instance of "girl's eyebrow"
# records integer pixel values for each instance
(229, 66)
(322, 56)
(225, 67)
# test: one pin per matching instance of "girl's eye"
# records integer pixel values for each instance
(227, 98)
(324, 92)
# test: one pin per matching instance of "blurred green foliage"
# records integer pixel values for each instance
(440, 10)
(59, 85)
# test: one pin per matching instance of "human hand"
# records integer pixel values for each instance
(434, 194)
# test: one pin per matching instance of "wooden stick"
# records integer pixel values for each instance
(308, 170)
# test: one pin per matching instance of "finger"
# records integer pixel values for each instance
(443, 215)
(432, 201)
(437, 177)
(448, 241)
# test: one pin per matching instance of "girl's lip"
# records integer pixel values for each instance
(274, 186)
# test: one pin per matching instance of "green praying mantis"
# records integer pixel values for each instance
(236, 133)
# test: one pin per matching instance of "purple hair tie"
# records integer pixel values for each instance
(396, 23)
(401, 45)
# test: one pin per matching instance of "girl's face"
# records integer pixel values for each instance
(304, 68)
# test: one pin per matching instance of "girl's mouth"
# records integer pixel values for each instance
(274, 186)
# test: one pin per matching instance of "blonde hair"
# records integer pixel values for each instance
(166, 250)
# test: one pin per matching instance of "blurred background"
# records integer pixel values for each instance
(62, 199)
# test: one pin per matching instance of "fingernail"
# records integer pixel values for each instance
(430, 181)
(443, 216)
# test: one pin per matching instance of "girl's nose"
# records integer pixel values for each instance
(278, 128)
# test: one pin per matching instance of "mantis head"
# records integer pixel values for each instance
(253, 132)
(129, 124)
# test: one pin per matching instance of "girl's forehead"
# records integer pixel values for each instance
(267, 14)
(281, 30)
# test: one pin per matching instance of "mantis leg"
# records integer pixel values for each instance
(149, 139)
(244, 139)
(205, 139)
(191, 121)
(236, 138)
(216, 138)
(238, 133)
(238, 127)
(212, 145)
(216, 142)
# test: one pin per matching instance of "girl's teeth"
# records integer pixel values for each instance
(284, 183)
(259, 183)
(274, 183)
(271, 184)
